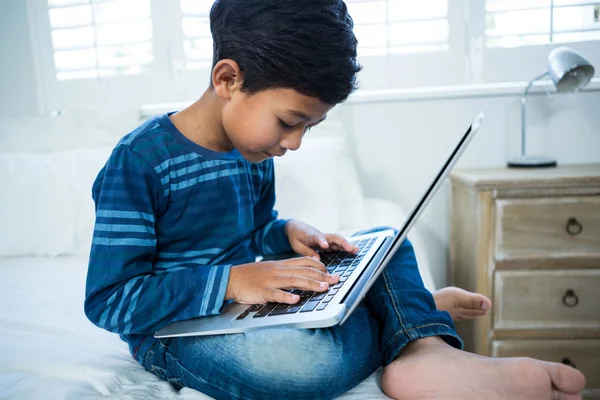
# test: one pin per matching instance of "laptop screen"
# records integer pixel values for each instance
(438, 180)
(403, 232)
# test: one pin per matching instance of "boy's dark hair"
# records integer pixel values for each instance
(305, 45)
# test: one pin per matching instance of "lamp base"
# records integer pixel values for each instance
(532, 162)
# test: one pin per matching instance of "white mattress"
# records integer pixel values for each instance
(49, 350)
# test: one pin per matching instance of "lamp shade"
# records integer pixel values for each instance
(568, 69)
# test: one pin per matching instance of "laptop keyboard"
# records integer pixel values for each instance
(341, 263)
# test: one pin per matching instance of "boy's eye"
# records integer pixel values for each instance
(284, 125)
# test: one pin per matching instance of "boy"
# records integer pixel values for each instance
(185, 203)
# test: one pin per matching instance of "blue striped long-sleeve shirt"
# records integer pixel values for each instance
(171, 219)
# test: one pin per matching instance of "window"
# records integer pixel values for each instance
(197, 39)
(98, 38)
(382, 27)
(399, 26)
(512, 23)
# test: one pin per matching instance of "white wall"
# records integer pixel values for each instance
(403, 145)
(18, 84)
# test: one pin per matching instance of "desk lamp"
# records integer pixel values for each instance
(570, 72)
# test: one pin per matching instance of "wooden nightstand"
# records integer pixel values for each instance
(530, 241)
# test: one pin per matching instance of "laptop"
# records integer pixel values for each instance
(357, 274)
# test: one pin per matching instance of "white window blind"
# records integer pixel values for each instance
(97, 38)
(197, 39)
(512, 23)
(381, 26)
(385, 27)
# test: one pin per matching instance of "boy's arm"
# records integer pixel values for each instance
(269, 236)
(123, 293)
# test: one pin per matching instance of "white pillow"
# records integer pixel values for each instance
(319, 185)
(46, 205)
(36, 206)
(332, 135)
(303, 191)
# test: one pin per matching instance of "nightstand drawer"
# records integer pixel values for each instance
(551, 303)
(581, 354)
(546, 228)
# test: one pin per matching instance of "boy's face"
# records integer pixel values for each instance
(270, 122)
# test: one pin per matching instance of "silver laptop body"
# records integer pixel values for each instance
(322, 310)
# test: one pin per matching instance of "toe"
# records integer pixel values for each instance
(473, 301)
(564, 378)
(480, 302)
(465, 314)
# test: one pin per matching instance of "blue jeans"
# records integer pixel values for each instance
(310, 363)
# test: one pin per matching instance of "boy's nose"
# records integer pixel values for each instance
(292, 141)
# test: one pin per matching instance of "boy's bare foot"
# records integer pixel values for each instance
(430, 369)
(461, 304)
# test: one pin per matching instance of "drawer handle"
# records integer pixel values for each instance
(570, 299)
(567, 361)
(574, 227)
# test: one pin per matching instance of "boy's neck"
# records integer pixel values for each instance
(201, 123)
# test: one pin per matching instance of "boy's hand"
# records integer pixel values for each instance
(305, 238)
(261, 282)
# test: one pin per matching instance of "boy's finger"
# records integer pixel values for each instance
(342, 243)
(279, 296)
(306, 251)
(336, 247)
(306, 262)
(310, 273)
(350, 248)
(303, 283)
(321, 241)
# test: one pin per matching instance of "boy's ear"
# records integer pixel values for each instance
(227, 78)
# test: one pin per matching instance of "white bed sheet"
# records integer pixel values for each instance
(49, 350)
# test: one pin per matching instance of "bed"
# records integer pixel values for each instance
(51, 351)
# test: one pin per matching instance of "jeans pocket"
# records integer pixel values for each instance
(158, 371)
(152, 360)
(147, 361)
